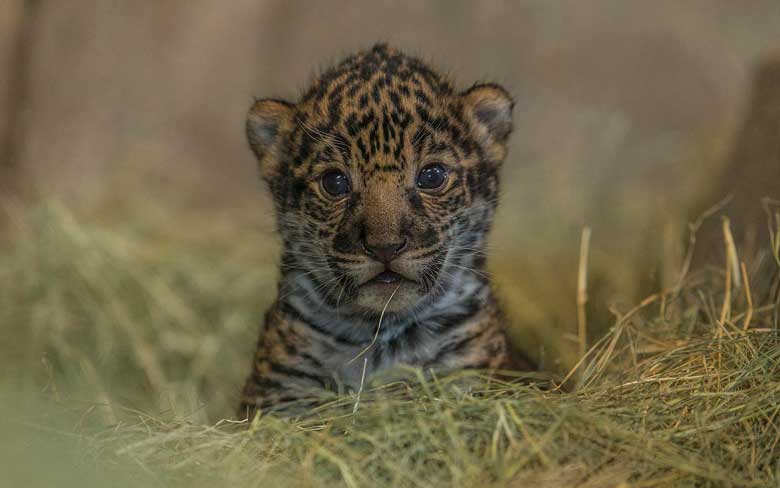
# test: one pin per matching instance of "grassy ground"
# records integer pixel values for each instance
(123, 347)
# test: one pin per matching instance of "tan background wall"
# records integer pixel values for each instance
(170, 81)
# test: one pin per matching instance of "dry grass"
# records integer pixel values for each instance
(125, 347)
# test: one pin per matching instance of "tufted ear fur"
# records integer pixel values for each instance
(266, 124)
(489, 107)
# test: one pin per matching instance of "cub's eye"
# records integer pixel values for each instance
(335, 183)
(432, 177)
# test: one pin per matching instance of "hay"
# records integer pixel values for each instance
(127, 349)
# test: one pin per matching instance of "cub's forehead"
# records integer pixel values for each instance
(376, 108)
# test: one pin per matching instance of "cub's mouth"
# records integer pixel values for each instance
(388, 290)
(387, 277)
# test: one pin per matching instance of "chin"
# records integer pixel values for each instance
(374, 296)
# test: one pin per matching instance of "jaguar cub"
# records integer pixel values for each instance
(385, 182)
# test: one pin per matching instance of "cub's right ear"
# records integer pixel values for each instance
(266, 124)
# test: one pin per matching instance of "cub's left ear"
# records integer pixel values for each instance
(267, 124)
(489, 108)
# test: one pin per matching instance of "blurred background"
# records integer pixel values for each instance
(140, 241)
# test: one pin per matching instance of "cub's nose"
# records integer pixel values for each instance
(384, 252)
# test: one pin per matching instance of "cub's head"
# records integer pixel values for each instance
(384, 180)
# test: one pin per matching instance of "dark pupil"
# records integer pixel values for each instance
(335, 183)
(431, 176)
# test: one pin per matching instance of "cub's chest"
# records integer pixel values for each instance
(359, 365)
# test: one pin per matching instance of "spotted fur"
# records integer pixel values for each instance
(379, 117)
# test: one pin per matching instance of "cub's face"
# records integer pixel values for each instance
(384, 181)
